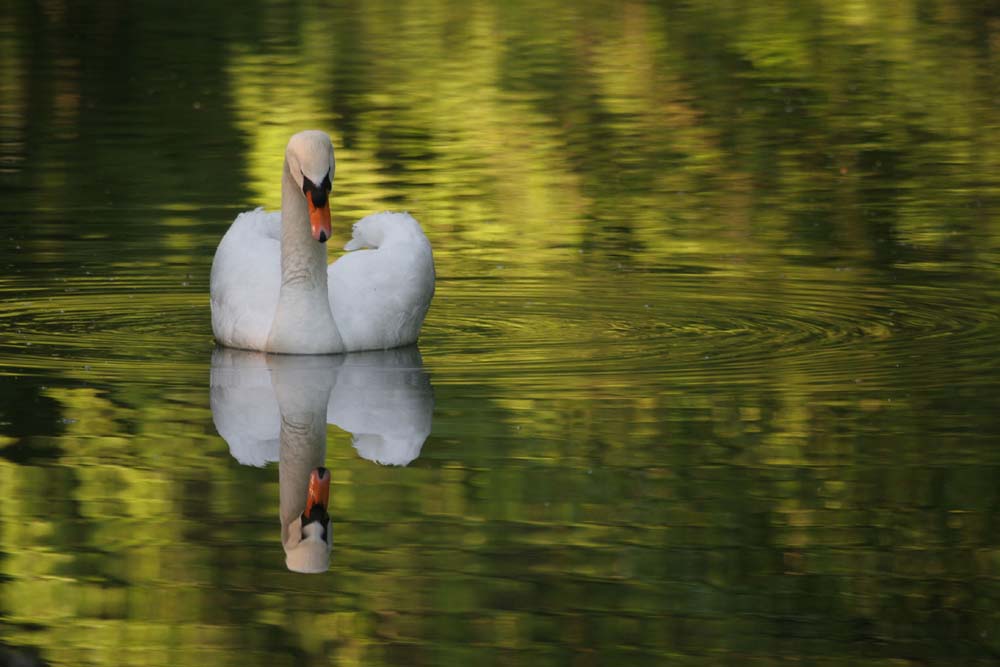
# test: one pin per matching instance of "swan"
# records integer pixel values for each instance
(273, 291)
(276, 408)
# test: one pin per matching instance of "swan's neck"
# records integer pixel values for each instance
(303, 259)
(303, 322)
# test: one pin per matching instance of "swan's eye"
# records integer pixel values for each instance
(326, 184)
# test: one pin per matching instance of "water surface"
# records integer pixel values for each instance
(710, 376)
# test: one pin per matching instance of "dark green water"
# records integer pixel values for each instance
(711, 375)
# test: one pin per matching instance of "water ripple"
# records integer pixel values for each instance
(156, 328)
(727, 329)
(713, 328)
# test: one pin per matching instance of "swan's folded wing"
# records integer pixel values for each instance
(380, 293)
(246, 279)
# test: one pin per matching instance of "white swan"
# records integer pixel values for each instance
(273, 291)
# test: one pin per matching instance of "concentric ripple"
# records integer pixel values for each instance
(823, 326)
(149, 328)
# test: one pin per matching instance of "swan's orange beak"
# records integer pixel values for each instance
(319, 218)
(319, 491)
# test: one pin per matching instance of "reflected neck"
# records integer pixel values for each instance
(303, 442)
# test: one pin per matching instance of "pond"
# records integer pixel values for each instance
(710, 375)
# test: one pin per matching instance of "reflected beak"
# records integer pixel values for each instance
(318, 496)
(319, 219)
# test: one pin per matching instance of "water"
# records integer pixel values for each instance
(710, 376)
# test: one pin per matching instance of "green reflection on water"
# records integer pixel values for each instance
(713, 347)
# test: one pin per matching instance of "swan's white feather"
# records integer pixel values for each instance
(381, 289)
(246, 279)
(379, 293)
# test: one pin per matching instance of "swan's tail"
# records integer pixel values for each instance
(378, 228)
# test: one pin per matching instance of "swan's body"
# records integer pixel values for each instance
(273, 291)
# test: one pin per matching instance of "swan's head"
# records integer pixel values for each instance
(310, 537)
(309, 156)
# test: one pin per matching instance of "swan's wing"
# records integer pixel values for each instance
(244, 407)
(246, 279)
(384, 399)
(380, 291)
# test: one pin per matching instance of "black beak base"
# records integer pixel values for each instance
(319, 192)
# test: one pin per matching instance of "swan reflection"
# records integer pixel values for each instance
(276, 408)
